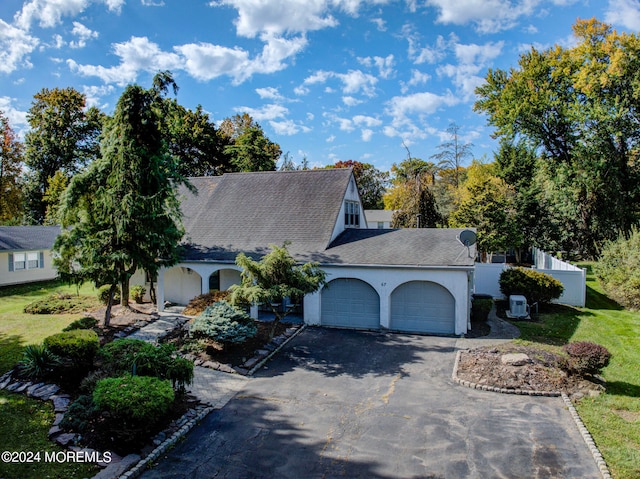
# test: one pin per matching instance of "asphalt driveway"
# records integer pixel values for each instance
(337, 403)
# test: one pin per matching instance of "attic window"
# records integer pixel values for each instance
(352, 214)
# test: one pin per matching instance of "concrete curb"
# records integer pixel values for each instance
(584, 432)
(275, 351)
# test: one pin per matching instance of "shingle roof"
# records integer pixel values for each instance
(399, 247)
(246, 212)
(373, 216)
(23, 238)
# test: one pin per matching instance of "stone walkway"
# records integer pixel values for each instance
(209, 386)
(501, 332)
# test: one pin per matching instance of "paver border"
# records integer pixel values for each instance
(584, 432)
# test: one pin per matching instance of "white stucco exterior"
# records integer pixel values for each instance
(385, 279)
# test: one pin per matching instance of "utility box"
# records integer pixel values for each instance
(518, 307)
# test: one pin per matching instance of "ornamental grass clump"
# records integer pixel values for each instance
(224, 323)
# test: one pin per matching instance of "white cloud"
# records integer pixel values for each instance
(288, 127)
(367, 134)
(472, 59)
(417, 78)
(49, 13)
(83, 33)
(380, 24)
(406, 110)
(488, 16)
(354, 81)
(152, 3)
(279, 17)
(366, 120)
(137, 54)
(269, 93)
(15, 47)
(331, 139)
(266, 112)
(351, 101)
(17, 119)
(203, 61)
(384, 64)
(95, 93)
(625, 13)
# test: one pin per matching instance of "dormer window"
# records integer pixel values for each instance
(351, 214)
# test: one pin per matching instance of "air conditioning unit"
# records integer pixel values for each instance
(518, 307)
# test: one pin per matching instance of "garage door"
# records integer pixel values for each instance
(422, 307)
(350, 303)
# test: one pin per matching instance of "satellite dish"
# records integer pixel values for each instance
(467, 238)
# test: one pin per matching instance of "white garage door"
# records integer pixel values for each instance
(350, 303)
(422, 307)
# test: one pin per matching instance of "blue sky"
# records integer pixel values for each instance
(328, 80)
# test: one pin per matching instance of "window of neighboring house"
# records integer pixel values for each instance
(380, 225)
(352, 214)
(22, 261)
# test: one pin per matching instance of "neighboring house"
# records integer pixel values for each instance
(25, 253)
(412, 280)
(379, 219)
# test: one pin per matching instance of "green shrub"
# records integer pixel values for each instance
(38, 362)
(103, 294)
(480, 309)
(134, 399)
(59, 303)
(536, 286)
(77, 418)
(86, 322)
(137, 292)
(141, 358)
(78, 346)
(223, 322)
(618, 270)
(587, 358)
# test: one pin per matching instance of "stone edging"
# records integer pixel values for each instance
(586, 436)
(139, 468)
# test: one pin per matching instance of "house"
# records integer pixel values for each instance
(412, 280)
(380, 219)
(25, 253)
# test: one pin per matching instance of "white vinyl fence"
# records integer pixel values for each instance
(574, 279)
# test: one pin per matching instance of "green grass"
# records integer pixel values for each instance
(24, 427)
(613, 418)
(17, 328)
(25, 422)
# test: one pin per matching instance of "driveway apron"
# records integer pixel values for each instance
(338, 403)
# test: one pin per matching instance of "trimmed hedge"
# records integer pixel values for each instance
(78, 345)
(134, 356)
(87, 322)
(134, 399)
(225, 323)
(60, 303)
(536, 286)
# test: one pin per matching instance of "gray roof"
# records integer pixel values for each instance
(400, 247)
(246, 212)
(27, 238)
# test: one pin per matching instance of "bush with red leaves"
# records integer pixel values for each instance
(587, 358)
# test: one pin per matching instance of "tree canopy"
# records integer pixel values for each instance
(122, 213)
(577, 109)
(10, 169)
(371, 182)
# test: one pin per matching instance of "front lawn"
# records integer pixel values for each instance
(612, 418)
(25, 422)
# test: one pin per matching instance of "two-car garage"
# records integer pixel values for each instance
(415, 306)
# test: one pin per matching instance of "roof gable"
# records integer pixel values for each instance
(249, 211)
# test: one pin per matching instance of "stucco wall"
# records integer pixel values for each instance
(27, 275)
(386, 279)
(181, 285)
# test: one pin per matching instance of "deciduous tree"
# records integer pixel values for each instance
(10, 172)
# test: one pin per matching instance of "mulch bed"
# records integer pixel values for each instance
(544, 372)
